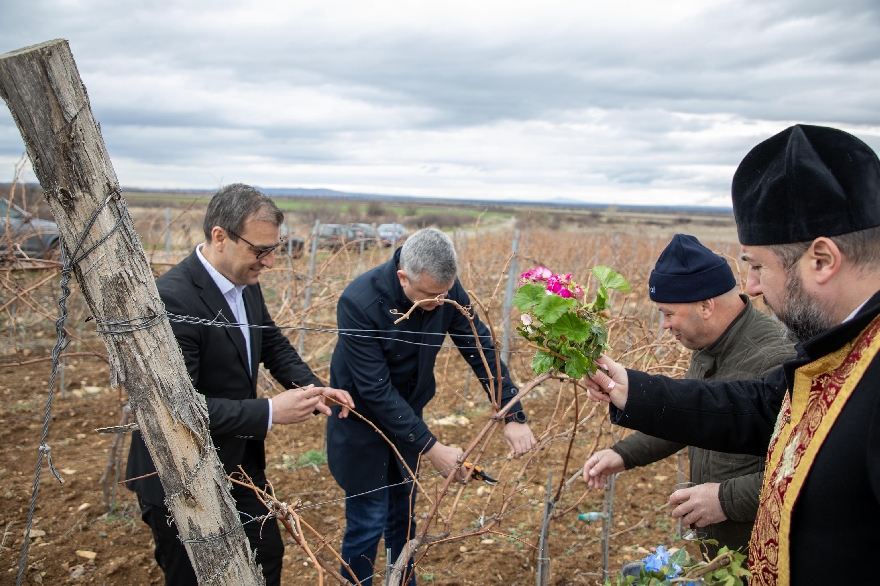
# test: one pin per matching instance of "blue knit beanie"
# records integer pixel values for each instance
(687, 271)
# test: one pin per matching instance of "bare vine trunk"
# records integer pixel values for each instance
(47, 99)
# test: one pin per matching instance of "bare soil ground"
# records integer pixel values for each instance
(77, 539)
(70, 519)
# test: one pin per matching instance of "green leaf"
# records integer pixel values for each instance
(552, 307)
(542, 362)
(528, 296)
(680, 557)
(599, 335)
(601, 301)
(576, 366)
(570, 326)
(610, 278)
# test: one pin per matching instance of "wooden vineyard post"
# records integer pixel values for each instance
(47, 99)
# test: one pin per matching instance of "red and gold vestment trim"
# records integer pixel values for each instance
(821, 389)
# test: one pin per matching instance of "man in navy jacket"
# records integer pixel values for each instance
(389, 370)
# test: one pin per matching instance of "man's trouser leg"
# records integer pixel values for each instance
(366, 520)
(171, 554)
(264, 537)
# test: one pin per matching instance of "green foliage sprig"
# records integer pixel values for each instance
(569, 332)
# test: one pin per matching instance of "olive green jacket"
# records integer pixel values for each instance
(751, 347)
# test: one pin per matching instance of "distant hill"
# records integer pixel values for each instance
(35, 199)
(558, 202)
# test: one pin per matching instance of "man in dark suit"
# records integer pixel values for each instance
(220, 280)
(389, 371)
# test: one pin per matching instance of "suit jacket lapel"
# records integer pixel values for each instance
(255, 317)
(216, 303)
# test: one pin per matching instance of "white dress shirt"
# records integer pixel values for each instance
(233, 295)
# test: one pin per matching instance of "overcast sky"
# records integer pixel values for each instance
(631, 102)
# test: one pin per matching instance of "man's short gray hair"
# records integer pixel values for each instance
(234, 205)
(429, 251)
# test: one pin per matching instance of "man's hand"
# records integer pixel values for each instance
(600, 466)
(611, 386)
(698, 505)
(445, 460)
(333, 397)
(519, 438)
(295, 405)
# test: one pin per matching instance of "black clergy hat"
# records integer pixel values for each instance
(806, 182)
(687, 271)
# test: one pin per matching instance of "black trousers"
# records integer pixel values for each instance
(171, 554)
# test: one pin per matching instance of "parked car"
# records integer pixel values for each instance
(392, 234)
(21, 230)
(293, 245)
(332, 236)
(365, 233)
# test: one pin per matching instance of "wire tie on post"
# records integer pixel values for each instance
(221, 535)
(209, 537)
(47, 451)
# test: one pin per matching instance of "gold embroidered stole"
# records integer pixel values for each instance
(821, 389)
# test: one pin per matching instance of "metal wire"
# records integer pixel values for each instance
(221, 535)
(123, 326)
(66, 272)
(422, 477)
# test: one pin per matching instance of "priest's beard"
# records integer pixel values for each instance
(802, 316)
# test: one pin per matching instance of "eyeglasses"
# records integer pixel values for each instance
(261, 252)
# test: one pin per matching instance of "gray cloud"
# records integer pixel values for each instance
(574, 99)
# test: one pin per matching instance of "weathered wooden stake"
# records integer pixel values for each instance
(47, 99)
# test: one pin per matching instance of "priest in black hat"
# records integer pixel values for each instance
(807, 208)
(695, 291)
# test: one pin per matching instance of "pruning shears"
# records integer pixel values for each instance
(479, 474)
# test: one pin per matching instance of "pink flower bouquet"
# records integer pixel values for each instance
(557, 318)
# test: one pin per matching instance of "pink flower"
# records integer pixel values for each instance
(538, 273)
(561, 284)
(526, 319)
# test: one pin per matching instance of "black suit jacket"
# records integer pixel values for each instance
(216, 358)
(389, 370)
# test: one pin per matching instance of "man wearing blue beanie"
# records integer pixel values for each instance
(807, 208)
(697, 294)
